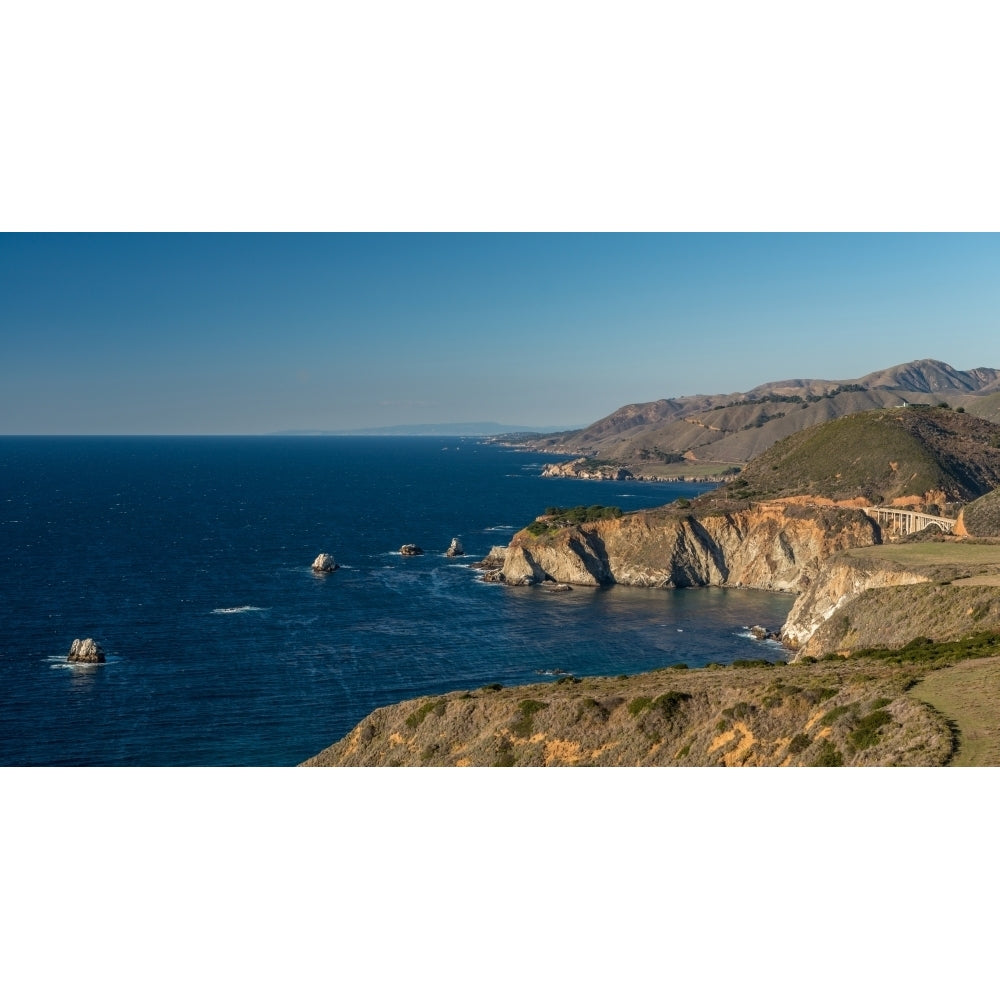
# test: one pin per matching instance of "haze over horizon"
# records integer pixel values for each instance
(259, 333)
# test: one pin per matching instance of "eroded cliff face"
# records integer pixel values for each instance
(835, 585)
(770, 546)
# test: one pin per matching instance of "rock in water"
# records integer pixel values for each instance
(455, 548)
(85, 651)
(411, 550)
(324, 563)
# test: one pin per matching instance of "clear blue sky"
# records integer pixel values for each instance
(221, 334)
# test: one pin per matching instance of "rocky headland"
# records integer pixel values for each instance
(768, 546)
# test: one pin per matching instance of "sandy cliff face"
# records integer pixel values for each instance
(836, 584)
(768, 546)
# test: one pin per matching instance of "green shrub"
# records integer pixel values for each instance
(834, 714)
(636, 705)
(668, 703)
(828, 756)
(866, 733)
(565, 517)
(425, 709)
(492, 687)
(523, 724)
(924, 650)
(799, 742)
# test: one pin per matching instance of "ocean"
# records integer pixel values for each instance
(188, 560)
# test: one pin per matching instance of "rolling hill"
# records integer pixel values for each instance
(919, 456)
(733, 428)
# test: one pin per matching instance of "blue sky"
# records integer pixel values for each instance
(246, 333)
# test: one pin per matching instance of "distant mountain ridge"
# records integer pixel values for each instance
(735, 427)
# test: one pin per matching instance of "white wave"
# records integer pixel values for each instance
(242, 609)
(61, 663)
(501, 527)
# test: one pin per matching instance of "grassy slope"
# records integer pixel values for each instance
(881, 455)
(963, 596)
(968, 696)
(846, 712)
(982, 516)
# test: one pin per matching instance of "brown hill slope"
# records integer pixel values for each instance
(734, 428)
(854, 713)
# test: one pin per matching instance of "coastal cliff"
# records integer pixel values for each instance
(890, 596)
(836, 584)
(767, 546)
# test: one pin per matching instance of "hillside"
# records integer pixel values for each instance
(826, 714)
(981, 518)
(924, 457)
(735, 427)
(889, 595)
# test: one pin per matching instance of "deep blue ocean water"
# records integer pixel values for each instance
(188, 559)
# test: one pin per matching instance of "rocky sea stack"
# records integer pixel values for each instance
(324, 563)
(455, 548)
(85, 651)
(410, 550)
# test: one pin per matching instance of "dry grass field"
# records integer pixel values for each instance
(961, 557)
(968, 696)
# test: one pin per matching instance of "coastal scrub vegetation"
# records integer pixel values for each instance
(555, 518)
(523, 725)
(844, 712)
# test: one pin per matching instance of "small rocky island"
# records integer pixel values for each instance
(324, 563)
(410, 550)
(455, 548)
(85, 651)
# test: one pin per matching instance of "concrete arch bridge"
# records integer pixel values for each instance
(905, 522)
